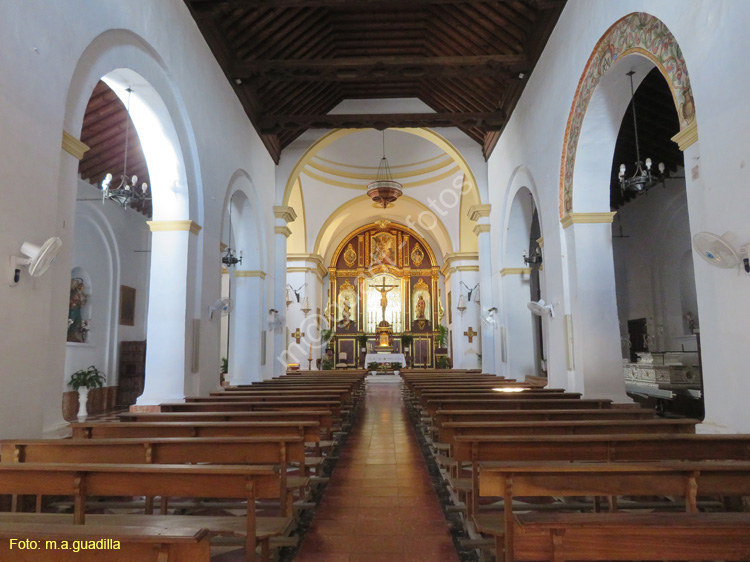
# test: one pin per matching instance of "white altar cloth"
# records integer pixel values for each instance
(385, 358)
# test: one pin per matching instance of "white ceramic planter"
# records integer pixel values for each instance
(83, 396)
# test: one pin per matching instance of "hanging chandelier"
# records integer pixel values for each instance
(127, 192)
(229, 258)
(641, 180)
(384, 189)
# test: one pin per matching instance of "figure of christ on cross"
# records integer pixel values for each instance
(383, 289)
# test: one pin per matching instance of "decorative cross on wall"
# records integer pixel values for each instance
(470, 334)
(297, 335)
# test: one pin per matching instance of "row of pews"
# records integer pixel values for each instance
(193, 479)
(544, 474)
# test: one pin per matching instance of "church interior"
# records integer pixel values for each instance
(367, 275)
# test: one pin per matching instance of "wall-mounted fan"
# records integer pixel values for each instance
(275, 320)
(715, 250)
(489, 317)
(37, 259)
(541, 308)
(222, 307)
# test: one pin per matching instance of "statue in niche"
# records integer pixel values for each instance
(77, 327)
(347, 305)
(420, 307)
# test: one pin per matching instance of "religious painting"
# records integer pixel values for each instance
(347, 305)
(384, 248)
(78, 326)
(127, 306)
(420, 300)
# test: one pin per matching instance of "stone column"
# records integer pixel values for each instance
(167, 321)
(305, 272)
(279, 356)
(458, 268)
(597, 364)
(481, 215)
(246, 325)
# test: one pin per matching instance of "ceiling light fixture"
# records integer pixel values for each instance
(384, 189)
(641, 180)
(127, 192)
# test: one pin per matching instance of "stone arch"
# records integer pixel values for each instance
(637, 33)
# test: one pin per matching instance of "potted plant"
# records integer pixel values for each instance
(325, 337)
(441, 341)
(374, 367)
(362, 341)
(441, 362)
(84, 380)
(406, 341)
(326, 365)
(396, 367)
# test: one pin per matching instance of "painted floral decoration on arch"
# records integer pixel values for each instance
(635, 33)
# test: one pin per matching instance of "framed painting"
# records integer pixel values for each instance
(127, 306)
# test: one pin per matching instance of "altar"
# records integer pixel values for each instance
(385, 358)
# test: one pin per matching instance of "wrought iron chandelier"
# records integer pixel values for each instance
(384, 189)
(641, 180)
(127, 192)
(229, 259)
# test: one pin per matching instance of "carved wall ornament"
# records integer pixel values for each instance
(350, 256)
(417, 255)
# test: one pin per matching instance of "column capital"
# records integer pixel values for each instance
(73, 146)
(587, 218)
(481, 228)
(285, 213)
(174, 226)
(314, 264)
(477, 212)
(283, 230)
(687, 136)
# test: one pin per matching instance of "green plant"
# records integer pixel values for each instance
(407, 340)
(87, 378)
(362, 340)
(374, 366)
(441, 339)
(326, 365)
(325, 336)
(441, 362)
(224, 366)
(396, 366)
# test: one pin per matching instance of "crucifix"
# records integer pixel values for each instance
(383, 289)
(297, 335)
(470, 334)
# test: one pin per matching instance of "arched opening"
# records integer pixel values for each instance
(656, 296)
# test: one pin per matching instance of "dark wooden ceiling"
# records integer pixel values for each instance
(104, 125)
(292, 61)
(657, 124)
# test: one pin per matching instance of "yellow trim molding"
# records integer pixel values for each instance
(222, 247)
(283, 230)
(174, 226)
(74, 146)
(687, 136)
(587, 218)
(480, 228)
(515, 271)
(448, 259)
(467, 268)
(540, 241)
(285, 212)
(477, 212)
(250, 273)
(318, 268)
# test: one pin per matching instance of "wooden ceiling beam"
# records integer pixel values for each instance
(200, 5)
(361, 68)
(274, 123)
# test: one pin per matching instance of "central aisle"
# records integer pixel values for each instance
(380, 505)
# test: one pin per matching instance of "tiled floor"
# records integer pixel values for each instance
(379, 505)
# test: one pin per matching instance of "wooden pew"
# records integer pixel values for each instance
(215, 481)
(254, 405)
(433, 405)
(450, 430)
(215, 450)
(323, 417)
(561, 479)
(308, 430)
(144, 544)
(442, 416)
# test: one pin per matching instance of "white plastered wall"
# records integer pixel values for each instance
(713, 39)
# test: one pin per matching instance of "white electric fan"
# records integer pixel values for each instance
(36, 258)
(276, 320)
(541, 308)
(222, 306)
(488, 317)
(715, 250)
